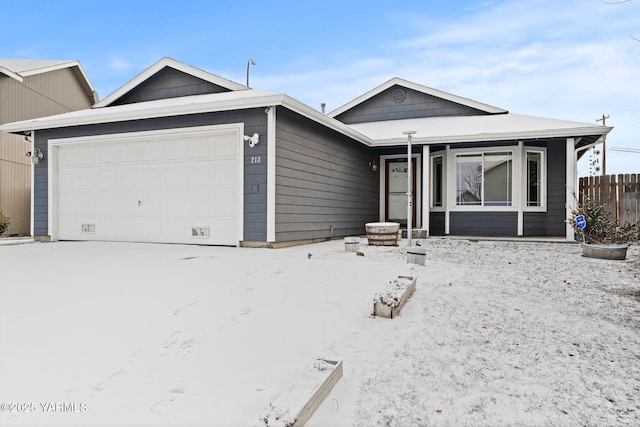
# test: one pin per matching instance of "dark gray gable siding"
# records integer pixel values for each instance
(324, 185)
(483, 223)
(255, 175)
(551, 222)
(169, 83)
(383, 106)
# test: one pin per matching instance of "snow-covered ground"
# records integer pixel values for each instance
(497, 333)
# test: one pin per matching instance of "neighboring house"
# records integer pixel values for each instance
(184, 156)
(28, 89)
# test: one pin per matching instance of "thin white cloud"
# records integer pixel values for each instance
(571, 60)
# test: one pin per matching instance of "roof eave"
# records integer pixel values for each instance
(505, 136)
(10, 73)
(104, 115)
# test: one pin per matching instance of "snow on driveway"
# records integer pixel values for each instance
(497, 333)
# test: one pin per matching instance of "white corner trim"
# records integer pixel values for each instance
(570, 184)
(271, 174)
(32, 225)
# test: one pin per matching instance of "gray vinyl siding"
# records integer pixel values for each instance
(436, 223)
(416, 104)
(324, 185)
(169, 83)
(551, 222)
(483, 223)
(255, 175)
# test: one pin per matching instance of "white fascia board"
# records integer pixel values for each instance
(137, 112)
(49, 68)
(145, 111)
(419, 88)
(10, 73)
(155, 68)
(484, 137)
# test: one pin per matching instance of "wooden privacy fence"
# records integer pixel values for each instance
(620, 194)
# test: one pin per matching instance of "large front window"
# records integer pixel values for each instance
(484, 179)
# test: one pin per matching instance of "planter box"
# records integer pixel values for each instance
(417, 256)
(617, 252)
(352, 244)
(389, 302)
(316, 382)
(383, 233)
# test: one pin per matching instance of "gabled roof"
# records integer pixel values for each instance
(18, 69)
(157, 67)
(495, 127)
(419, 88)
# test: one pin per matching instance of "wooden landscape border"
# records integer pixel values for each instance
(384, 310)
(319, 394)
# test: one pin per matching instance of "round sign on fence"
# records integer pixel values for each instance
(581, 222)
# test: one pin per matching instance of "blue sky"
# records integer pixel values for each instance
(570, 59)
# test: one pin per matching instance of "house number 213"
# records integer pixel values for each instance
(255, 159)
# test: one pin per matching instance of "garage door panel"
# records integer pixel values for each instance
(178, 189)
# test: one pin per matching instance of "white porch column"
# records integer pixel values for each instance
(271, 174)
(449, 189)
(570, 186)
(520, 183)
(426, 187)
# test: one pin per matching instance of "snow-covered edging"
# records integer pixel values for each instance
(320, 377)
(388, 302)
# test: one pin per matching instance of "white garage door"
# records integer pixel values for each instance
(181, 186)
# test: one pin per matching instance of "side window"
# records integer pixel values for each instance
(534, 178)
(437, 181)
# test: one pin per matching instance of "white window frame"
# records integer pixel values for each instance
(543, 180)
(442, 208)
(451, 178)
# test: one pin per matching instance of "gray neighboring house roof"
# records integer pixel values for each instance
(18, 69)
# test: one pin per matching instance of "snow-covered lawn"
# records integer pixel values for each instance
(496, 333)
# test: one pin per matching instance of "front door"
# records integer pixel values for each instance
(396, 191)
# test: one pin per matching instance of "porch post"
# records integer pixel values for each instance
(570, 185)
(519, 183)
(426, 187)
(409, 133)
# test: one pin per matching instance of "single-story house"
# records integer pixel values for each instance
(31, 88)
(181, 155)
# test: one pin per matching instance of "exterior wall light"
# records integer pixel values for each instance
(36, 155)
(253, 140)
